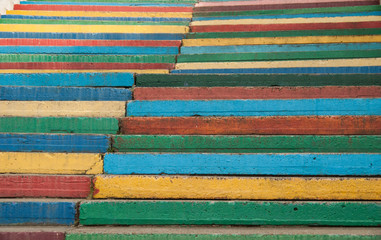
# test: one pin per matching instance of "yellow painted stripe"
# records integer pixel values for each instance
(182, 187)
(158, 71)
(92, 28)
(283, 64)
(62, 109)
(50, 163)
(286, 21)
(101, 14)
(280, 40)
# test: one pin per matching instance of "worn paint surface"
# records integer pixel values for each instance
(50, 163)
(44, 186)
(74, 83)
(243, 164)
(33, 235)
(229, 213)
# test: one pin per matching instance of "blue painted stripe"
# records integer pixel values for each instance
(53, 143)
(281, 48)
(244, 164)
(153, 4)
(313, 15)
(146, 19)
(68, 79)
(101, 36)
(315, 70)
(89, 50)
(64, 94)
(44, 213)
(299, 107)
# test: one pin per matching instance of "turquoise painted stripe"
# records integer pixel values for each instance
(243, 164)
(111, 4)
(300, 107)
(89, 50)
(68, 79)
(281, 48)
(311, 15)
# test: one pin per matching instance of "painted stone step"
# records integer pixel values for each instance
(357, 164)
(94, 79)
(87, 22)
(37, 212)
(232, 80)
(145, 19)
(284, 107)
(44, 186)
(59, 125)
(248, 144)
(33, 235)
(53, 143)
(117, 3)
(229, 213)
(50, 163)
(64, 94)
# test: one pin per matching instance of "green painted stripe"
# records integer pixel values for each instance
(247, 144)
(86, 22)
(229, 213)
(269, 56)
(59, 125)
(267, 80)
(290, 11)
(333, 32)
(87, 58)
(100, 236)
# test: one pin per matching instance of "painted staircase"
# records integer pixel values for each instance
(178, 119)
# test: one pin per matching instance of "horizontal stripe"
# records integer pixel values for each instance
(282, 48)
(241, 164)
(84, 65)
(37, 212)
(44, 186)
(268, 80)
(92, 43)
(103, 71)
(246, 144)
(291, 33)
(283, 64)
(279, 5)
(229, 213)
(15, 58)
(89, 22)
(92, 28)
(68, 79)
(290, 11)
(33, 235)
(62, 109)
(50, 163)
(88, 50)
(53, 143)
(300, 107)
(59, 125)
(287, 21)
(64, 94)
(101, 14)
(120, 1)
(149, 3)
(250, 188)
(200, 93)
(148, 19)
(332, 125)
(268, 56)
(99, 36)
(283, 27)
(297, 70)
(283, 41)
(289, 16)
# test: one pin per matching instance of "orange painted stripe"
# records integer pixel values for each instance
(305, 125)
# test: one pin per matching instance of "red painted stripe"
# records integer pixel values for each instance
(285, 27)
(305, 125)
(283, 6)
(84, 65)
(201, 93)
(32, 235)
(44, 186)
(75, 42)
(100, 8)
